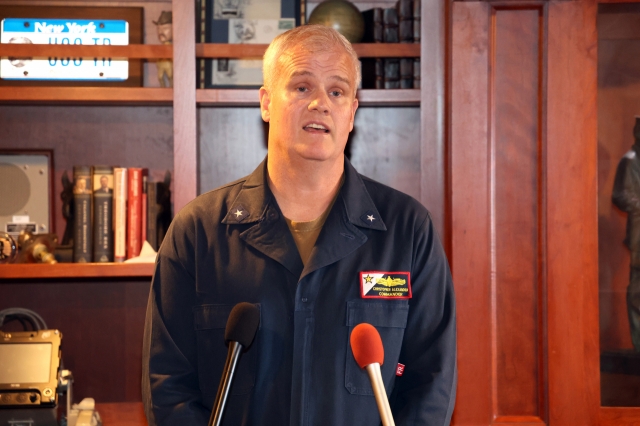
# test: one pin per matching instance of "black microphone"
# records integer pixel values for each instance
(241, 329)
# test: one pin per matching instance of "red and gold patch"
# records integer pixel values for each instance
(385, 285)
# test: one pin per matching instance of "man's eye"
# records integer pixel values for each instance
(335, 93)
(301, 89)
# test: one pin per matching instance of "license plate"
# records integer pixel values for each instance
(64, 31)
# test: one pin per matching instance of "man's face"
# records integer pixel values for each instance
(311, 105)
(104, 182)
(245, 30)
(165, 33)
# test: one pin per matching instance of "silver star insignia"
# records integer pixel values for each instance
(370, 218)
(238, 213)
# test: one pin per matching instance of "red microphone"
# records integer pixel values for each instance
(366, 345)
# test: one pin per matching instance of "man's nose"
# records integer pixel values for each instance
(320, 102)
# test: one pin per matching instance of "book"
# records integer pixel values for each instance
(143, 209)
(390, 32)
(102, 177)
(152, 215)
(82, 238)
(416, 73)
(163, 199)
(372, 25)
(390, 35)
(372, 68)
(406, 73)
(120, 214)
(134, 211)
(392, 73)
(405, 21)
(416, 21)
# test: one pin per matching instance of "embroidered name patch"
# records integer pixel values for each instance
(385, 285)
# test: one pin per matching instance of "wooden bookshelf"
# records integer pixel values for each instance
(160, 96)
(76, 270)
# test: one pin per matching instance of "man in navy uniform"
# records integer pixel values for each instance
(319, 249)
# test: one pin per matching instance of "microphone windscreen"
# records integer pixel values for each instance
(366, 345)
(242, 324)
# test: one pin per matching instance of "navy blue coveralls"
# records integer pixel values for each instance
(233, 245)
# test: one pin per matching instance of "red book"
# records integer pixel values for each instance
(145, 207)
(134, 211)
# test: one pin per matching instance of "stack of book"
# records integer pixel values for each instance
(116, 209)
(399, 24)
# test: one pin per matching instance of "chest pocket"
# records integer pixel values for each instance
(210, 322)
(390, 319)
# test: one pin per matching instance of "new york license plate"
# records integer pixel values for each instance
(64, 31)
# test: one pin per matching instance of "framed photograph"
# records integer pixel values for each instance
(71, 25)
(244, 22)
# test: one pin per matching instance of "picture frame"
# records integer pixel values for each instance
(243, 22)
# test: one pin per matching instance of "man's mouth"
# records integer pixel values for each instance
(316, 128)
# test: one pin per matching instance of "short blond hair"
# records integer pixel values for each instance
(313, 38)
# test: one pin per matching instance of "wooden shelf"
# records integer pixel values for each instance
(147, 51)
(76, 270)
(249, 97)
(86, 95)
(364, 50)
(158, 96)
(203, 50)
(389, 97)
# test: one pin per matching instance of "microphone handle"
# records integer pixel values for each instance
(225, 383)
(380, 393)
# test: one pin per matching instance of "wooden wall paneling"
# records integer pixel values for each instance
(523, 212)
(433, 48)
(470, 245)
(571, 123)
(102, 325)
(184, 106)
(516, 191)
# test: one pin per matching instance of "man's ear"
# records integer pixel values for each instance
(354, 107)
(265, 102)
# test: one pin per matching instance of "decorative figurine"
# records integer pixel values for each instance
(164, 25)
(626, 196)
(36, 248)
(67, 208)
(8, 248)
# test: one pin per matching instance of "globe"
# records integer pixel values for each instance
(340, 15)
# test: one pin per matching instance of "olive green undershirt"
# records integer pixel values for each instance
(305, 234)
